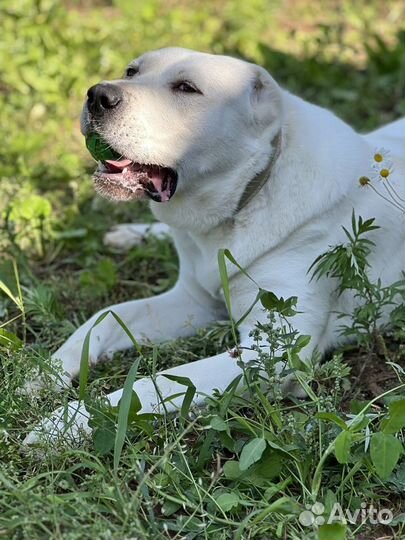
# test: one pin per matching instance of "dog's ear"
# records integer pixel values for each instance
(265, 98)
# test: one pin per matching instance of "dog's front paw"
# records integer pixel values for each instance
(58, 375)
(56, 382)
(125, 236)
(67, 424)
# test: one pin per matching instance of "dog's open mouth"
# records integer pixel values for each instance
(125, 180)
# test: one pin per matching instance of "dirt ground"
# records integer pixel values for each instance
(372, 373)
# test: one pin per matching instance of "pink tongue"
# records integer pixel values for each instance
(158, 183)
(117, 165)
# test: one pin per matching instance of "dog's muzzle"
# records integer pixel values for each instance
(118, 177)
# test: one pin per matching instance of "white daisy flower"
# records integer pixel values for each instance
(380, 155)
(382, 172)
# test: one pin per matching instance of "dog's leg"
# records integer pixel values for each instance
(127, 235)
(161, 318)
(208, 374)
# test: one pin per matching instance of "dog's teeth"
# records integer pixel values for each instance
(124, 170)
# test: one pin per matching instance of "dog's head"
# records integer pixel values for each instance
(180, 119)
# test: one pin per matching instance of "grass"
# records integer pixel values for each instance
(208, 475)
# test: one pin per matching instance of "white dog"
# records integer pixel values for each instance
(230, 160)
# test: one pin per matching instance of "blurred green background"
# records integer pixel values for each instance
(348, 56)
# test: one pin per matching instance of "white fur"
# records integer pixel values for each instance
(217, 142)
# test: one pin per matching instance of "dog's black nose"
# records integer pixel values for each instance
(102, 97)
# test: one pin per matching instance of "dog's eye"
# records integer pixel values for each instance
(186, 87)
(131, 71)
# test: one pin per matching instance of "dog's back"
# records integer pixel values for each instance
(391, 136)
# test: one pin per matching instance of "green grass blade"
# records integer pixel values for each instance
(84, 360)
(124, 406)
(189, 394)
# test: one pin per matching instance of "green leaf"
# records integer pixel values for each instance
(232, 470)
(396, 419)
(285, 307)
(332, 417)
(343, 443)
(103, 439)
(9, 340)
(302, 341)
(30, 207)
(134, 407)
(189, 395)
(270, 301)
(385, 450)
(218, 424)
(332, 531)
(226, 440)
(170, 507)
(356, 406)
(144, 422)
(206, 450)
(359, 422)
(251, 452)
(227, 501)
(329, 500)
(99, 148)
(103, 423)
(269, 466)
(284, 505)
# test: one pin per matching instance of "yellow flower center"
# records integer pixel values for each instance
(363, 180)
(378, 157)
(384, 173)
